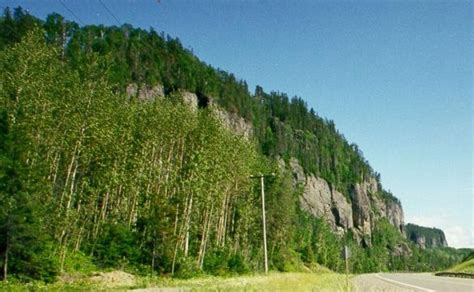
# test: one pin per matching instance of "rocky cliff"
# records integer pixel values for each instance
(426, 237)
(231, 121)
(357, 211)
(144, 92)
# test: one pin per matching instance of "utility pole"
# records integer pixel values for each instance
(262, 186)
(346, 254)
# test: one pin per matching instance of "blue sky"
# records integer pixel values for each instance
(395, 76)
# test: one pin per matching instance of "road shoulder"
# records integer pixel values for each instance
(370, 282)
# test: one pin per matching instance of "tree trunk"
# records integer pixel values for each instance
(153, 254)
(205, 233)
(184, 229)
(176, 220)
(69, 171)
(71, 189)
(186, 244)
(131, 215)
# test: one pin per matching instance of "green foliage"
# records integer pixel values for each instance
(283, 126)
(470, 256)
(25, 247)
(78, 262)
(288, 261)
(153, 185)
(187, 268)
(237, 264)
(116, 246)
(217, 262)
(433, 237)
(466, 266)
(114, 178)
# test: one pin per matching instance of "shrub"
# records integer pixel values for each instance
(187, 268)
(237, 264)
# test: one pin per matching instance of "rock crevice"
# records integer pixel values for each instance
(357, 212)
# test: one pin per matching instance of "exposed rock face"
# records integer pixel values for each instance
(317, 199)
(395, 216)
(426, 237)
(320, 200)
(234, 122)
(359, 214)
(231, 121)
(401, 250)
(297, 171)
(361, 208)
(342, 211)
(421, 241)
(190, 99)
(369, 206)
(145, 93)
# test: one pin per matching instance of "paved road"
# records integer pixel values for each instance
(411, 282)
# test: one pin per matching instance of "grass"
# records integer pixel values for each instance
(14, 286)
(325, 281)
(464, 267)
(274, 281)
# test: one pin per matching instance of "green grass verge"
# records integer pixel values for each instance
(464, 267)
(274, 281)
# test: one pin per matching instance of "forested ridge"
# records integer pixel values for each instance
(91, 178)
(425, 236)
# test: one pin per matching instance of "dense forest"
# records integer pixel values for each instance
(91, 178)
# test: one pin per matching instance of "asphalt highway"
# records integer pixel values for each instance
(427, 282)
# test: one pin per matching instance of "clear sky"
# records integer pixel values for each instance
(395, 76)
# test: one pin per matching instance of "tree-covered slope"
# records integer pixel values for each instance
(282, 125)
(466, 266)
(426, 237)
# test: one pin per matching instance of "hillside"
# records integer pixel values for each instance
(464, 267)
(426, 237)
(121, 149)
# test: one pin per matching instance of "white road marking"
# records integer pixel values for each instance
(404, 284)
(447, 280)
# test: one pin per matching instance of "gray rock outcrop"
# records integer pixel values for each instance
(234, 122)
(145, 93)
(190, 99)
(361, 209)
(231, 121)
(395, 215)
(342, 211)
(297, 170)
(317, 199)
(358, 212)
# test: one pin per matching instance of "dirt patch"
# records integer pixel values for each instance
(113, 279)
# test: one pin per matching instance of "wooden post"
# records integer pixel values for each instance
(5, 262)
(346, 257)
(264, 224)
